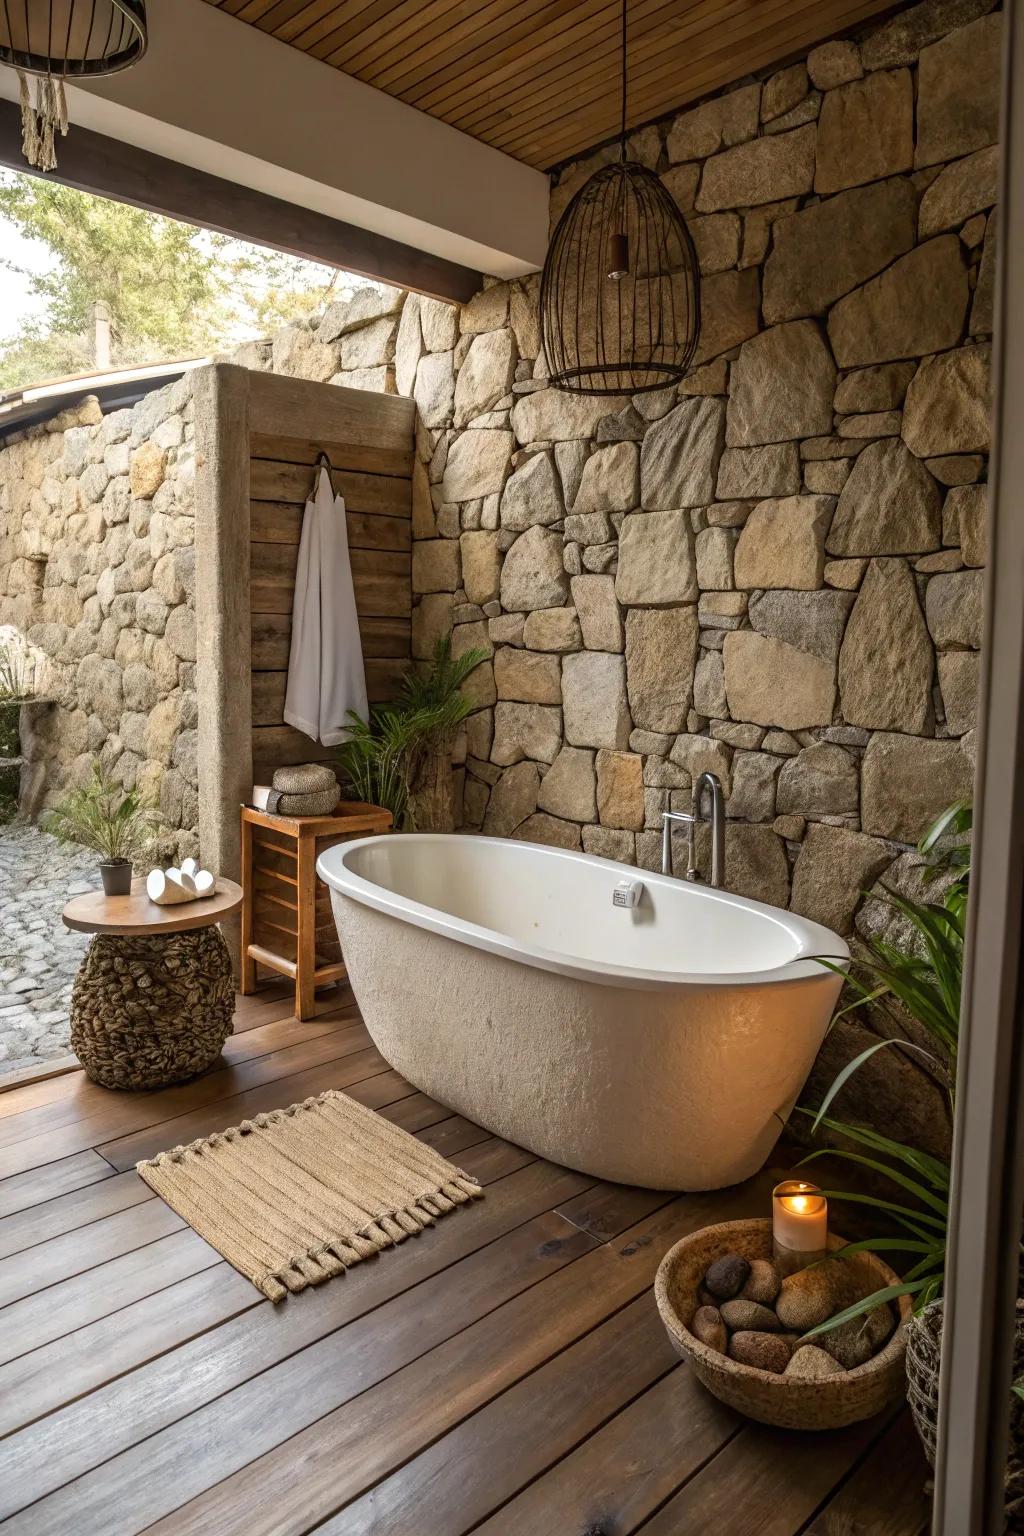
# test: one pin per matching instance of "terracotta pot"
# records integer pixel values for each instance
(117, 877)
(787, 1401)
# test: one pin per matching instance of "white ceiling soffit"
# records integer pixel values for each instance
(228, 99)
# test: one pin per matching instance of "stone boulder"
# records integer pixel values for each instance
(436, 565)
(529, 677)
(881, 387)
(620, 790)
(553, 415)
(810, 621)
(821, 780)
(610, 481)
(525, 731)
(477, 464)
(865, 131)
(704, 130)
(954, 606)
(513, 799)
(486, 374)
(656, 559)
(968, 505)
(890, 505)
(762, 171)
(730, 313)
(782, 386)
(960, 190)
(755, 862)
(680, 454)
(901, 40)
(916, 306)
(434, 389)
(907, 780)
(549, 831)
(958, 92)
(661, 652)
(823, 252)
(749, 473)
(594, 703)
(771, 683)
(552, 629)
(958, 684)
(533, 575)
(886, 666)
(782, 543)
(834, 868)
(532, 495)
(599, 613)
(569, 788)
(947, 404)
(481, 566)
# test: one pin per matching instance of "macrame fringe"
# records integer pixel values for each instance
(42, 122)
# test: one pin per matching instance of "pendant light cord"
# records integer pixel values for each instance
(622, 135)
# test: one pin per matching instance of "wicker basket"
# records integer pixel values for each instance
(790, 1403)
(146, 1012)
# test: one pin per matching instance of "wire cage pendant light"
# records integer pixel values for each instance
(58, 40)
(620, 290)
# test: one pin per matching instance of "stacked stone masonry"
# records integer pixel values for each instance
(773, 571)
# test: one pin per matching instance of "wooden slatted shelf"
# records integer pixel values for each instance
(287, 923)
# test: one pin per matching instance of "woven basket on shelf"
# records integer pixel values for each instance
(924, 1349)
(787, 1401)
(146, 1012)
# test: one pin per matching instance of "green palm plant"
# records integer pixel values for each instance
(118, 824)
(924, 982)
(400, 757)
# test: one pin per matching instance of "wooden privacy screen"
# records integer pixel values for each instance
(258, 437)
(378, 493)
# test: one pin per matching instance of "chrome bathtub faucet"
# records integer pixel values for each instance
(689, 819)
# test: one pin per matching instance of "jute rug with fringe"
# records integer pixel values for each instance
(296, 1196)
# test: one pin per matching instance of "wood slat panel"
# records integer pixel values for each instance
(384, 678)
(381, 579)
(280, 522)
(479, 64)
(354, 458)
(275, 480)
(272, 633)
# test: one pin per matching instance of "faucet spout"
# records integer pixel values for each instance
(708, 784)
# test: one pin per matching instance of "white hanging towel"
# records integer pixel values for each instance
(325, 664)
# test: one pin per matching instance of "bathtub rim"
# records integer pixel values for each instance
(340, 879)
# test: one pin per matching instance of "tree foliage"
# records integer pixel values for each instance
(173, 290)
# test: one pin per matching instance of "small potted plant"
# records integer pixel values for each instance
(116, 823)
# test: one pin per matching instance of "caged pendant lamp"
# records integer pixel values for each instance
(620, 291)
(58, 40)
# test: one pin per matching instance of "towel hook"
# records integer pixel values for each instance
(323, 460)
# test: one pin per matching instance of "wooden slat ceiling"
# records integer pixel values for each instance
(540, 80)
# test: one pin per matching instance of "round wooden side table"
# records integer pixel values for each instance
(154, 998)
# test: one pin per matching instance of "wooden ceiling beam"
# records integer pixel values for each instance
(109, 167)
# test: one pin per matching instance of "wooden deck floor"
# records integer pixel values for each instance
(505, 1372)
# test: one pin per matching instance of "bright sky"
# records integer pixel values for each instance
(15, 301)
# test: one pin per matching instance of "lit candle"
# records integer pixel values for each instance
(799, 1223)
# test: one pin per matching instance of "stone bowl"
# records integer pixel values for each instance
(788, 1402)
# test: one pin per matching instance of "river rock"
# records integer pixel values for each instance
(744, 1315)
(915, 306)
(533, 575)
(811, 1295)
(825, 251)
(865, 131)
(947, 405)
(809, 1363)
(764, 1351)
(727, 1276)
(890, 505)
(782, 386)
(958, 91)
(762, 1284)
(782, 543)
(680, 454)
(886, 665)
(853, 1343)
(708, 1327)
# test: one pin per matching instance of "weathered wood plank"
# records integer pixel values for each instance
(23, 1190)
(885, 1493)
(352, 458)
(71, 1211)
(154, 1477)
(275, 483)
(384, 679)
(381, 579)
(272, 633)
(33, 1271)
(280, 522)
(290, 407)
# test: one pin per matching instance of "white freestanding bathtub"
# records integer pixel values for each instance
(662, 1045)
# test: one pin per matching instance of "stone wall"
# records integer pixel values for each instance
(97, 578)
(773, 571)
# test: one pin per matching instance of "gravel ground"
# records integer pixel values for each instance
(38, 955)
